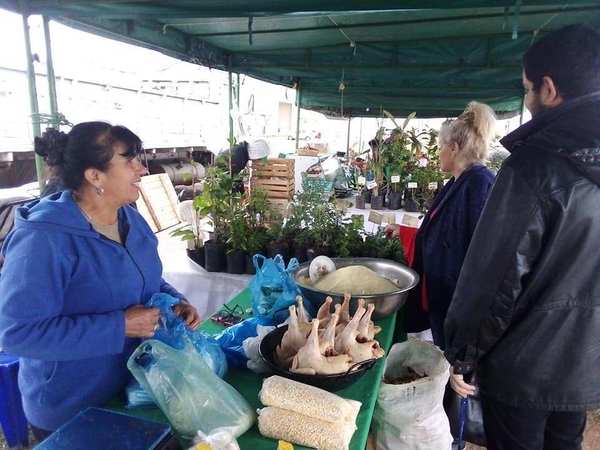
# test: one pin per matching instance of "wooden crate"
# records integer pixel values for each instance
(275, 177)
(158, 201)
(280, 206)
(283, 168)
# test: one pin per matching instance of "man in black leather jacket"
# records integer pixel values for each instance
(525, 316)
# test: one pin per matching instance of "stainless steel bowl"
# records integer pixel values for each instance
(385, 304)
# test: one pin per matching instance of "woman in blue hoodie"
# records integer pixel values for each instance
(444, 236)
(79, 266)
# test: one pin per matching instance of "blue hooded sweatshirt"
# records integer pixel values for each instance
(63, 292)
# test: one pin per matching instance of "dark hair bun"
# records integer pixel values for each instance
(51, 146)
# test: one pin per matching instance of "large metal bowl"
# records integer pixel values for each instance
(385, 304)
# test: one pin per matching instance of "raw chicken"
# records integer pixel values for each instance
(345, 312)
(366, 331)
(309, 359)
(293, 339)
(327, 339)
(324, 310)
(303, 321)
(366, 350)
(347, 337)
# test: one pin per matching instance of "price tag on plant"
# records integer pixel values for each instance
(371, 184)
(395, 178)
(433, 186)
(361, 180)
(413, 185)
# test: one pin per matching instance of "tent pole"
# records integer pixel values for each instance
(230, 78)
(51, 77)
(522, 111)
(348, 140)
(33, 99)
(238, 92)
(298, 104)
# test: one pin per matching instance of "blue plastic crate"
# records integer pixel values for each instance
(12, 418)
(102, 429)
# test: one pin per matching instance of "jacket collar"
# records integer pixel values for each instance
(541, 121)
(454, 184)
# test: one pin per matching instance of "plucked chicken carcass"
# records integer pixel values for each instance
(309, 359)
(333, 345)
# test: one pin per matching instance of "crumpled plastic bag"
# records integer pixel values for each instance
(231, 340)
(251, 348)
(174, 332)
(137, 396)
(188, 392)
(218, 439)
(273, 288)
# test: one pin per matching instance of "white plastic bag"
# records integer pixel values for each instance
(188, 392)
(218, 439)
(251, 348)
(411, 416)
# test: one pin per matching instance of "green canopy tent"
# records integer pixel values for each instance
(349, 57)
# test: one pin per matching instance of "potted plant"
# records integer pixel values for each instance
(214, 202)
(238, 232)
(258, 213)
(377, 166)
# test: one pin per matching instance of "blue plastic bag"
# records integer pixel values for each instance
(273, 289)
(175, 333)
(137, 397)
(232, 338)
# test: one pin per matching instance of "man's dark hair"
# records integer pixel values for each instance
(570, 56)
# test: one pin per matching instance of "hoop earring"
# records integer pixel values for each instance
(99, 190)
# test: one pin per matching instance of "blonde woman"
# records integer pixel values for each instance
(445, 234)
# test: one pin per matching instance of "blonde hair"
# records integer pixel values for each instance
(473, 131)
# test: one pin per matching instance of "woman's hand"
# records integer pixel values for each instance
(188, 313)
(460, 386)
(140, 321)
(392, 231)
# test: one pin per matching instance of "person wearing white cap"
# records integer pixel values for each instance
(242, 153)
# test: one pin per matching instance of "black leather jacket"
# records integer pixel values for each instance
(526, 310)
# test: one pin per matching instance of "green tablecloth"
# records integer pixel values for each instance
(248, 384)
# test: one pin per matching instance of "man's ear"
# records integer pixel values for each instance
(549, 94)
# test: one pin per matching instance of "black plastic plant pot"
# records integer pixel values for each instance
(410, 204)
(197, 255)
(315, 251)
(360, 201)
(236, 261)
(300, 253)
(278, 248)
(367, 196)
(377, 202)
(395, 200)
(250, 270)
(214, 255)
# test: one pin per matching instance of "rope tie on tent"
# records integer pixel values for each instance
(54, 120)
(350, 40)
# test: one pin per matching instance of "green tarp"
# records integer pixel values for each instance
(427, 56)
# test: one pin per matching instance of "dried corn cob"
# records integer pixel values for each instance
(293, 427)
(308, 400)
